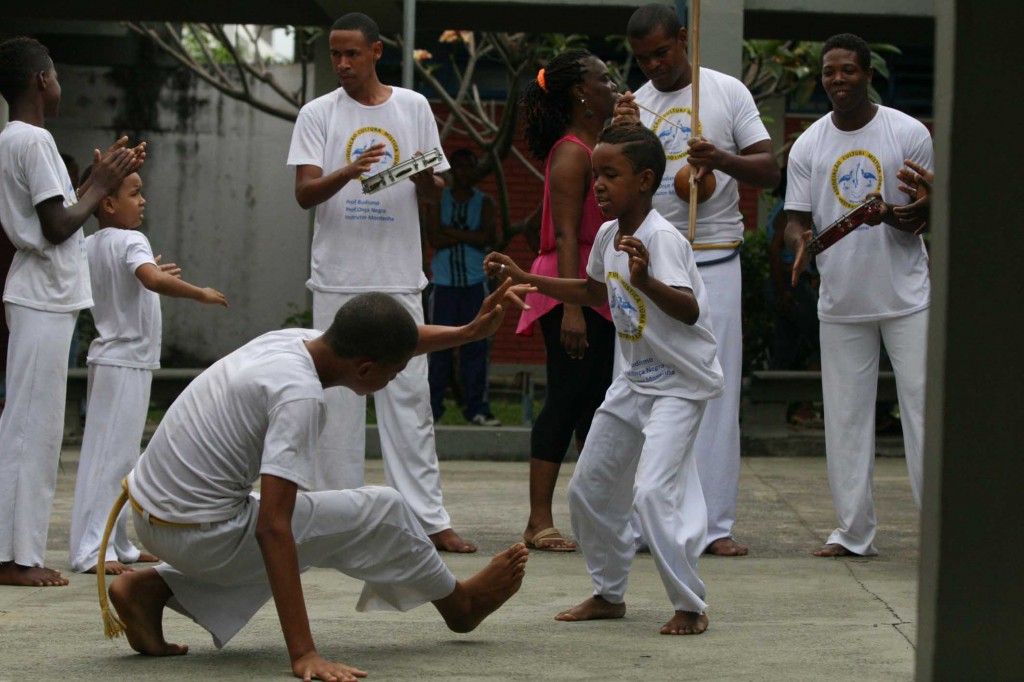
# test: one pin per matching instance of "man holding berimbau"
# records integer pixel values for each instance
(371, 242)
(874, 282)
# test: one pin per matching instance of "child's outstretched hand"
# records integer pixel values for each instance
(171, 269)
(501, 267)
(639, 259)
(492, 312)
(213, 296)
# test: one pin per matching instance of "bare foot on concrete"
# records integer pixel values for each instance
(686, 623)
(111, 568)
(449, 541)
(595, 608)
(833, 549)
(146, 558)
(726, 547)
(30, 576)
(480, 596)
(140, 598)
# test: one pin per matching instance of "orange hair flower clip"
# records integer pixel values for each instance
(540, 80)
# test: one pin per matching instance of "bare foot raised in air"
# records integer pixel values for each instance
(449, 541)
(140, 598)
(480, 596)
(833, 549)
(111, 568)
(30, 576)
(726, 547)
(595, 608)
(686, 623)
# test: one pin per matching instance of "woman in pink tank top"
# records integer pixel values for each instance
(565, 109)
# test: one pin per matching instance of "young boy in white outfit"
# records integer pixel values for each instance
(639, 454)
(47, 285)
(257, 414)
(126, 283)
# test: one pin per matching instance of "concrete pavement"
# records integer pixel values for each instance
(778, 614)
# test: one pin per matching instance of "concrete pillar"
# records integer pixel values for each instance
(971, 590)
(721, 35)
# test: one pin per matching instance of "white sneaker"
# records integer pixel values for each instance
(485, 420)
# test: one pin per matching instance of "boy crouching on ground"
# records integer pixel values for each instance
(257, 415)
(639, 454)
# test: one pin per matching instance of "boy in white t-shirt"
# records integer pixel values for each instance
(126, 282)
(874, 283)
(47, 285)
(639, 454)
(256, 415)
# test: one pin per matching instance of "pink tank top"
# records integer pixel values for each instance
(546, 262)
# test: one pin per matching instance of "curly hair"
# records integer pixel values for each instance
(640, 146)
(20, 58)
(851, 42)
(375, 326)
(547, 110)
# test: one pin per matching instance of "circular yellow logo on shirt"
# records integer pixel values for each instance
(363, 139)
(628, 310)
(856, 174)
(673, 137)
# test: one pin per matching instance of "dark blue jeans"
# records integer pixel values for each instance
(453, 306)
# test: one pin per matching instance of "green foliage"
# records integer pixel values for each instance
(298, 317)
(552, 44)
(785, 67)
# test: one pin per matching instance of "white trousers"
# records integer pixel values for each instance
(405, 424)
(118, 402)
(718, 440)
(219, 579)
(32, 428)
(639, 458)
(849, 378)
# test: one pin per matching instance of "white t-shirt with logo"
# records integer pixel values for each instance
(256, 411)
(875, 272)
(126, 314)
(660, 355)
(366, 242)
(43, 275)
(730, 120)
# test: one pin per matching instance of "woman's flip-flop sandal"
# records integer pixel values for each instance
(549, 540)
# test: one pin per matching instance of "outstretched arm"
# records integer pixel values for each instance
(166, 283)
(437, 337)
(281, 559)
(587, 292)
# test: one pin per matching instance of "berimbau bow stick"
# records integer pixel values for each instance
(694, 109)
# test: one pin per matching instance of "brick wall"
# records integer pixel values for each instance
(525, 193)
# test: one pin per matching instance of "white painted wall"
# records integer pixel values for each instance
(220, 203)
